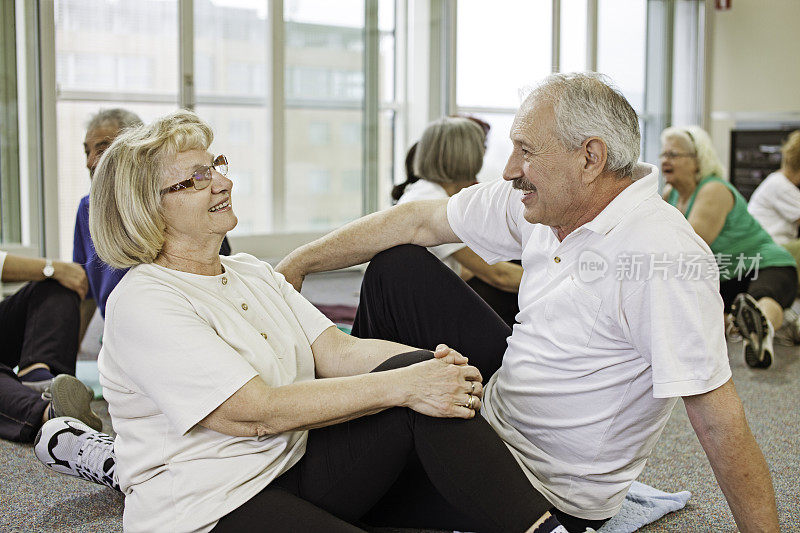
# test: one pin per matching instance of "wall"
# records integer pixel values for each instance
(754, 66)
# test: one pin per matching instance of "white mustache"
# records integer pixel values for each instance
(523, 185)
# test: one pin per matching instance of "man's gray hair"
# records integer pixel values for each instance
(586, 104)
(118, 117)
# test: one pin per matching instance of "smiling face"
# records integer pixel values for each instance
(194, 218)
(96, 142)
(543, 169)
(678, 162)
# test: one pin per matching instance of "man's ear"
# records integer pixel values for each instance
(593, 158)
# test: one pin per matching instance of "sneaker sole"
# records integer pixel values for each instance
(43, 386)
(752, 322)
(753, 361)
(72, 398)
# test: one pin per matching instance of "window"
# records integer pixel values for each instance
(351, 180)
(621, 46)
(319, 180)
(10, 216)
(337, 71)
(319, 133)
(327, 65)
(108, 54)
(620, 37)
(125, 53)
(572, 36)
(351, 133)
(232, 39)
(491, 72)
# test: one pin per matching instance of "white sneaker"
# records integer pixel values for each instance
(756, 331)
(70, 447)
(767, 343)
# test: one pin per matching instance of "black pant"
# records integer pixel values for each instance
(778, 283)
(409, 296)
(348, 467)
(38, 324)
(505, 304)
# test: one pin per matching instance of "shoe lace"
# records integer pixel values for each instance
(93, 455)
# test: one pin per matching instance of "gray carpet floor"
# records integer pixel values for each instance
(35, 499)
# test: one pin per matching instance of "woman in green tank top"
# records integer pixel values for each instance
(758, 278)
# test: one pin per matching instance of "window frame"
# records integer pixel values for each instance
(32, 134)
(659, 106)
(424, 37)
(274, 245)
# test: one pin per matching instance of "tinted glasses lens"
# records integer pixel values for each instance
(221, 165)
(202, 178)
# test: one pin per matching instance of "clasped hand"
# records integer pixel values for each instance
(445, 386)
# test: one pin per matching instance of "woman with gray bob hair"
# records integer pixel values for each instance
(446, 160)
(585, 105)
(237, 405)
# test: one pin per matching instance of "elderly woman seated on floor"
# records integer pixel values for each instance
(238, 405)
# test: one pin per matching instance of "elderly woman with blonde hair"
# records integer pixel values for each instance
(758, 278)
(237, 405)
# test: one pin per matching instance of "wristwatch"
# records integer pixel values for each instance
(48, 269)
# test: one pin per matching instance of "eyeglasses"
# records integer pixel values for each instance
(201, 178)
(675, 155)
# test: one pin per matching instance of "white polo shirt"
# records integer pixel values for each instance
(427, 190)
(176, 346)
(776, 205)
(593, 368)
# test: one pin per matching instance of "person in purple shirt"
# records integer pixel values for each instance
(101, 130)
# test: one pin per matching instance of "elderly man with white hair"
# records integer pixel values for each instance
(620, 313)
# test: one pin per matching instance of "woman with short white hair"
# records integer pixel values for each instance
(758, 278)
(237, 405)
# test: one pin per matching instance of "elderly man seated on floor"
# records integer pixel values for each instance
(613, 328)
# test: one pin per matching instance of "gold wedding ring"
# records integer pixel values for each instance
(471, 402)
(473, 387)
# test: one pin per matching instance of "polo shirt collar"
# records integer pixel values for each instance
(645, 185)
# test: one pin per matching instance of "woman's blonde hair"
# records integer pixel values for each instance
(791, 152)
(125, 218)
(450, 150)
(697, 139)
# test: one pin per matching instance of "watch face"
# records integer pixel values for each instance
(48, 271)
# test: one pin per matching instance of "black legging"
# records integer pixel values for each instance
(505, 304)
(409, 296)
(348, 467)
(778, 283)
(38, 324)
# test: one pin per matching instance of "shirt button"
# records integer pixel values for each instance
(224, 281)
(264, 335)
(557, 259)
(244, 306)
